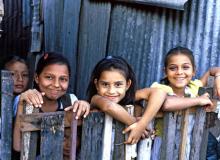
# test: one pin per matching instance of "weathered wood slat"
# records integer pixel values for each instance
(52, 132)
(107, 138)
(29, 139)
(197, 135)
(144, 149)
(209, 119)
(92, 136)
(130, 150)
(167, 148)
(119, 146)
(184, 130)
(32, 122)
(6, 113)
(73, 137)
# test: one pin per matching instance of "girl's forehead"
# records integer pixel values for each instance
(56, 68)
(17, 66)
(112, 74)
(179, 59)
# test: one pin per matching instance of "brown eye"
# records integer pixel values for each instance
(104, 84)
(49, 77)
(118, 84)
(64, 79)
(186, 67)
(172, 68)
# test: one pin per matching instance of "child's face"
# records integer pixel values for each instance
(112, 85)
(20, 76)
(179, 71)
(53, 81)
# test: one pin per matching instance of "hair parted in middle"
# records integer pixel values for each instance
(113, 63)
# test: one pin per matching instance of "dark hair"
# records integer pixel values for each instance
(110, 63)
(50, 58)
(177, 51)
(13, 59)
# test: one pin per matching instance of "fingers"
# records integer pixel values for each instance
(32, 97)
(80, 108)
(126, 130)
(131, 140)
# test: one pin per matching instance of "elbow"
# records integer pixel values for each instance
(167, 106)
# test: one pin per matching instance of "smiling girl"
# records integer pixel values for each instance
(112, 86)
(51, 83)
(179, 67)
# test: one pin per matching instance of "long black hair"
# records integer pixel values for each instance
(111, 63)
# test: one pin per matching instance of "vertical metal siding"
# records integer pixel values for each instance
(93, 33)
(141, 34)
(15, 38)
(196, 28)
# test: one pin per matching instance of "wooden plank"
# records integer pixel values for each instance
(167, 148)
(144, 149)
(209, 122)
(73, 137)
(6, 114)
(119, 147)
(32, 122)
(92, 136)
(52, 132)
(197, 135)
(130, 150)
(184, 130)
(107, 138)
(29, 139)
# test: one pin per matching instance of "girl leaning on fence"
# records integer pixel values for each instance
(179, 67)
(112, 86)
(51, 82)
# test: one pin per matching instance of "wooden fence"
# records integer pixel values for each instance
(176, 129)
(6, 115)
(98, 134)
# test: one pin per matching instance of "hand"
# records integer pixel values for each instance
(136, 130)
(205, 101)
(80, 108)
(32, 97)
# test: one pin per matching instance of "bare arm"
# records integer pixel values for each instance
(173, 103)
(113, 109)
(155, 98)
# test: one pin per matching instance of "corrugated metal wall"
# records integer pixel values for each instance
(143, 35)
(15, 37)
(86, 31)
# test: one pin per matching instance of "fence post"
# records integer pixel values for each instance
(29, 139)
(107, 138)
(92, 136)
(211, 123)
(6, 115)
(167, 147)
(52, 132)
